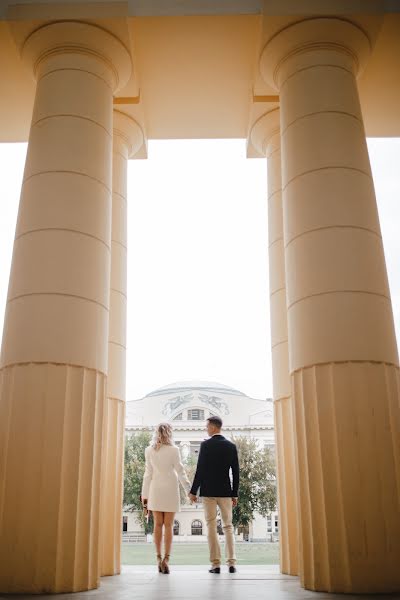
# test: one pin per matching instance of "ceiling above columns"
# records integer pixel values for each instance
(196, 63)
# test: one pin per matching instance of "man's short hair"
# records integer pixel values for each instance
(214, 420)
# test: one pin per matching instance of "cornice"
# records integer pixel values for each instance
(201, 429)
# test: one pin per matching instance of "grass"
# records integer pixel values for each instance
(188, 553)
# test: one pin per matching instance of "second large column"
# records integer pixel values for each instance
(266, 137)
(127, 139)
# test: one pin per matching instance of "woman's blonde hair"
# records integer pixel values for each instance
(162, 435)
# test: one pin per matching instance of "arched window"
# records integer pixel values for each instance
(176, 527)
(219, 527)
(197, 527)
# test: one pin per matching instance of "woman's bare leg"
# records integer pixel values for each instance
(168, 531)
(158, 525)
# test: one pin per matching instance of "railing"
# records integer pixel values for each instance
(133, 538)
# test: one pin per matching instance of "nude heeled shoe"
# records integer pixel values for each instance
(159, 562)
(164, 564)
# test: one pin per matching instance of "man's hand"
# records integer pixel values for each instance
(193, 497)
(144, 501)
(234, 502)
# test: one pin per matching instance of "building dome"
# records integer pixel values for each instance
(184, 386)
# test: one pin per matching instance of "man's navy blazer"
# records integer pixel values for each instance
(216, 457)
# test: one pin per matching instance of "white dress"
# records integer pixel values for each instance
(163, 471)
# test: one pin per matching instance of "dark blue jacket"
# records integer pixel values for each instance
(217, 457)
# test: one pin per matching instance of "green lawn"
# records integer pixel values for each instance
(197, 554)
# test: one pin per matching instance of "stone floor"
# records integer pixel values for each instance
(195, 583)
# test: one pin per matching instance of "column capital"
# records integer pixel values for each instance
(64, 44)
(315, 41)
(264, 130)
(127, 133)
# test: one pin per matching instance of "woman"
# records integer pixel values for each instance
(160, 489)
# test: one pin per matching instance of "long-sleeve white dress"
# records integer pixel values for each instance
(163, 471)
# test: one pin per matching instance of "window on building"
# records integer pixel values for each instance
(197, 527)
(194, 448)
(178, 417)
(195, 414)
(269, 524)
(245, 530)
(176, 527)
(124, 523)
(276, 524)
(219, 527)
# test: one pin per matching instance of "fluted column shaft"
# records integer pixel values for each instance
(266, 138)
(342, 346)
(127, 139)
(55, 341)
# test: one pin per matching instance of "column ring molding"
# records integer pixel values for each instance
(27, 363)
(345, 362)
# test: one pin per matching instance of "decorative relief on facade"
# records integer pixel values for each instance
(215, 402)
(176, 402)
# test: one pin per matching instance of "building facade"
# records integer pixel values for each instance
(186, 405)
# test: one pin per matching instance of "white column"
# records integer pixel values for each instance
(266, 138)
(55, 341)
(342, 346)
(185, 450)
(127, 139)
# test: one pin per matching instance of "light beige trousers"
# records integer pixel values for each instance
(210, 511)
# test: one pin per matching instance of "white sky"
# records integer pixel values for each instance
(198, 266)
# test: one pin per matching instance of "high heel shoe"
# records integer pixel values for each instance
(159, 562)
(164, 564)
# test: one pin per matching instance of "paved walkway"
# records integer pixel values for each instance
(195, 583)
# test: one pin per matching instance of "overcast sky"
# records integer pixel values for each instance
(198, 266)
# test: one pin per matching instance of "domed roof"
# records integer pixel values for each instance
(183, 386)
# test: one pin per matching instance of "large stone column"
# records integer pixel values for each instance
(266, 138)
(127, 140)
(55, 342)
(342, 346)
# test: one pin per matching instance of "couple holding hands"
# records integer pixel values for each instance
(160, 490)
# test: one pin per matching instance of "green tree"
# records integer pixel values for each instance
(134, 460)
(257, 490)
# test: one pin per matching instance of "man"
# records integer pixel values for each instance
(217, 457)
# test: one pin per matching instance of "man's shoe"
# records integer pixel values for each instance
(215, 570)
(232, 569)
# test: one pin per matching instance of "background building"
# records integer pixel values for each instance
(186, 405)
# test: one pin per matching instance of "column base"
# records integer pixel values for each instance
(347, 419)
(51, 421)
